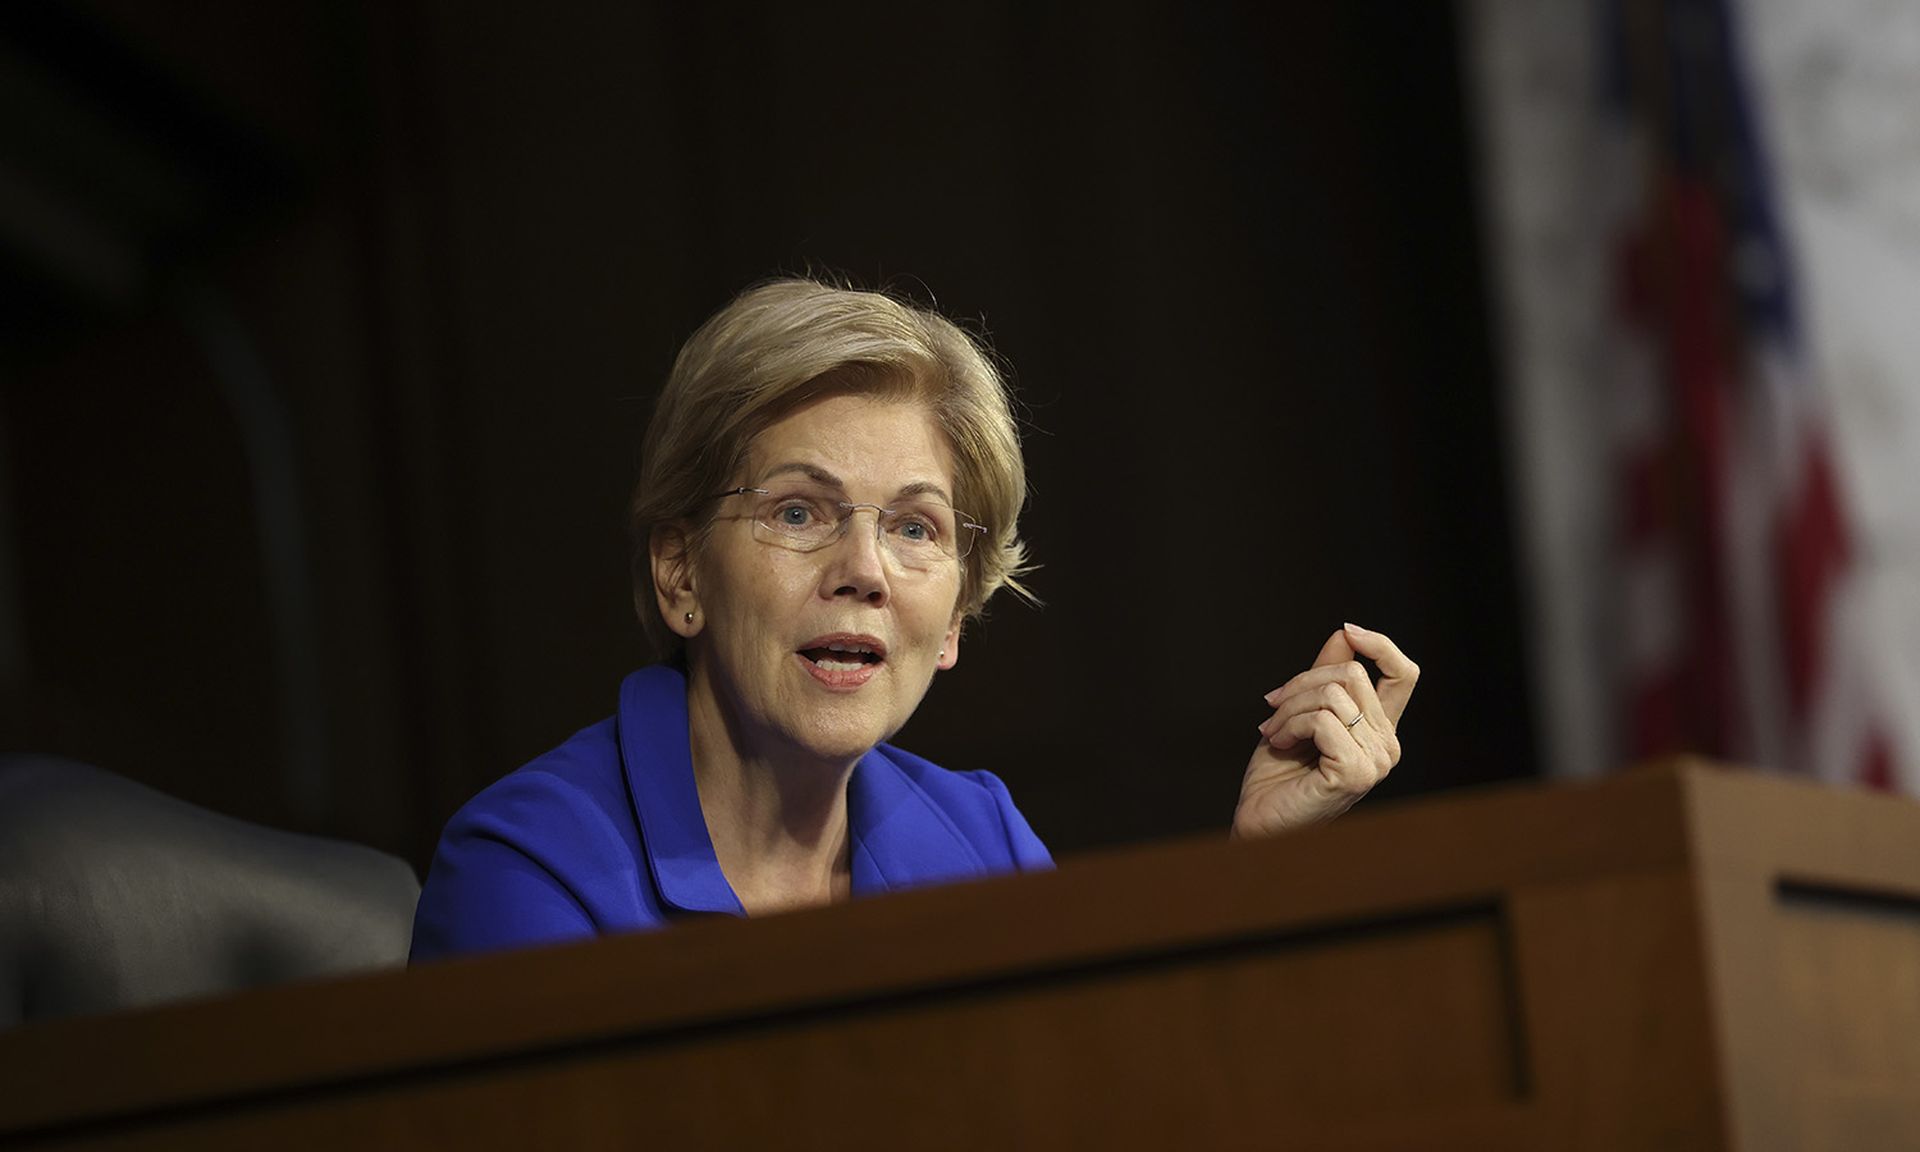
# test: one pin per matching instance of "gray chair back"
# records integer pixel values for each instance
(113, 895)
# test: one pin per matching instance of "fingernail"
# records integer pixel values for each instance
(1272, 698)
(1355, 629)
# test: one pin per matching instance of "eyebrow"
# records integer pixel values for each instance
(822, 476)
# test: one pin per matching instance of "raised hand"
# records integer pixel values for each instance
(1331, 738)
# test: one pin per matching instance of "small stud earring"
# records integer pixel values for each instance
(689, 617)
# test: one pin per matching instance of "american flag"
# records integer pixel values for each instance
(1738, 619)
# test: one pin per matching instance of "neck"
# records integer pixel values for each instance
(777, 817)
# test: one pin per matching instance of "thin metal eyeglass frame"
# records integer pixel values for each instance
(963, 541)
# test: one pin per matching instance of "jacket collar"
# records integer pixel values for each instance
(658, 759)
(898, 838)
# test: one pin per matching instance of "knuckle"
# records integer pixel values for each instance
(1353, 671)
(1413, 671)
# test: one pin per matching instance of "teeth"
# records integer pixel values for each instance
(841, 665)
(848, 648)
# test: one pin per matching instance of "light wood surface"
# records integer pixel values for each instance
(1680, 957)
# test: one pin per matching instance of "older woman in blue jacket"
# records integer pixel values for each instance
(830, 490)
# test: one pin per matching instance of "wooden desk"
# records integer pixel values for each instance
(1671, 958)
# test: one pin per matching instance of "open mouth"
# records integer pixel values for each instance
(843, 655)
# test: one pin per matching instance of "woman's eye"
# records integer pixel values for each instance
(794, 516)
(917, 531)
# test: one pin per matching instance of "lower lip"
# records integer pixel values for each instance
(840, 681)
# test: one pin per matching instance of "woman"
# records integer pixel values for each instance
(829, 492)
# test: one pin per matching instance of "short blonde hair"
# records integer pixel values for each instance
(781, 344)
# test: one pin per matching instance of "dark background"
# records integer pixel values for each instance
(327, 333)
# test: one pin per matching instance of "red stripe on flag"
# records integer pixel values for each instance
(1701, 368)
(1810, 555)
(1653, 714)
(1876, 769)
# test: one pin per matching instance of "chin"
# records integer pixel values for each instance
(841, 737)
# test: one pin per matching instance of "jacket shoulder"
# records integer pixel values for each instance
(978, 806)
(584, 775)
(547, 852)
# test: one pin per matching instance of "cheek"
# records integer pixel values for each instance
(934, 616)
(758, 586)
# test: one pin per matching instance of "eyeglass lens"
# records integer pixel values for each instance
(920, 531)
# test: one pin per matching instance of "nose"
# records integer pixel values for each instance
(856, 562)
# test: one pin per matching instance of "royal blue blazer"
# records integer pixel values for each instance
(605, 834)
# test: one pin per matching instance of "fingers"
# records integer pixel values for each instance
(1348, 765)
(1383, 703)
(1397, 673)
(1348, 674)
(1331, 697)
(1359, 720)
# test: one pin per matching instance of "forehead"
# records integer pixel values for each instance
(867, 441)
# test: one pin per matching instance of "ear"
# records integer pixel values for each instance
(950, 646)
(670, 556)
